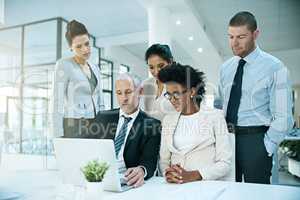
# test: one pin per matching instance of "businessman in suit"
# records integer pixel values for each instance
(136, 135)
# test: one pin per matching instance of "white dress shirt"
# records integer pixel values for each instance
(120, 158)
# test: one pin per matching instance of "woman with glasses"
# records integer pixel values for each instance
(195, 142)
(77, 92)
(157, 57)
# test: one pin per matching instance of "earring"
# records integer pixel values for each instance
(192, 96)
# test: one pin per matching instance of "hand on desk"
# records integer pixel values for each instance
(176, 174)
(135, 176)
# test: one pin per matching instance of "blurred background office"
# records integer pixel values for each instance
(32, 40)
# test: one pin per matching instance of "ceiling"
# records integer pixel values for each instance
(102, 17)
(278, 20)
(205, 20)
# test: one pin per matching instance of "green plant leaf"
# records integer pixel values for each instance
(94, 170)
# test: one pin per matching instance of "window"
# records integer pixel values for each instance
(28, 54)
(10, 73)
(40, 43)
(124, 68)
(107, 82)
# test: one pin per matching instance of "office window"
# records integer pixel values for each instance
(36, 96)
(107, 82)
(124, 68)
(10, 73)
(40, 54)
(40, 43)
(28, 54)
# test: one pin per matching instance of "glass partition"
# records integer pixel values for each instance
(124, 68)
(107, 82)
(40, 43)
(28, 54)
(10, 73)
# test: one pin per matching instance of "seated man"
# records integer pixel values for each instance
(136, 135)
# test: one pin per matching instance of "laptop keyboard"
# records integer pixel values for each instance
(124, 185)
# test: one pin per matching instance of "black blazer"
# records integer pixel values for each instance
(143, 143)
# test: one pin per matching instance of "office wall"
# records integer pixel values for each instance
(1, 12)
(297, 105)
(291, 60)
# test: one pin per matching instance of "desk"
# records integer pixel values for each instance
(46, 185)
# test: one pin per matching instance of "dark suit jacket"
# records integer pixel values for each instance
(142, 144)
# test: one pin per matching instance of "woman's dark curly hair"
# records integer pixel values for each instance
(162, 50)
(75, 28)
(186, 76)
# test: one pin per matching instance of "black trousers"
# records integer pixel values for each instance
(252, 160)
(77, 128)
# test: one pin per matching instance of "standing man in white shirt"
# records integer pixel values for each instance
(255, 93)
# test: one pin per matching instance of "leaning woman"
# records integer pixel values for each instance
(154, 104)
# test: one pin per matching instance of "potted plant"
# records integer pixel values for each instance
(94, 172)
(291, 148)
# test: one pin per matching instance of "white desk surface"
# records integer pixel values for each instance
(46, 185)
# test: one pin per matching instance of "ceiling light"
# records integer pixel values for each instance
(200, 50)
(191, 38)
(178, 22)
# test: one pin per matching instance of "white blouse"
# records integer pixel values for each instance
(187, 132)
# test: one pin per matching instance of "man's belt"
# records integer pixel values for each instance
(247, 129)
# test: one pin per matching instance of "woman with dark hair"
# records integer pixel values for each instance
(157, 57)
(195, 142)
(77, 92)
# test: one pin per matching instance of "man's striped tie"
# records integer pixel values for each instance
(119, 141)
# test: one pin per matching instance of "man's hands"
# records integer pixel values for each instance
(176, 174)
(135, 176)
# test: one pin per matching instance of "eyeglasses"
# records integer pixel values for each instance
(176, 95)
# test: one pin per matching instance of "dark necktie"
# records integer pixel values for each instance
(235, 95)
(119, 141)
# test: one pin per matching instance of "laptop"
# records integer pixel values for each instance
(73, 153)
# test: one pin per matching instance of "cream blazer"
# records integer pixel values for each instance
(212, 157)
(155, 107)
